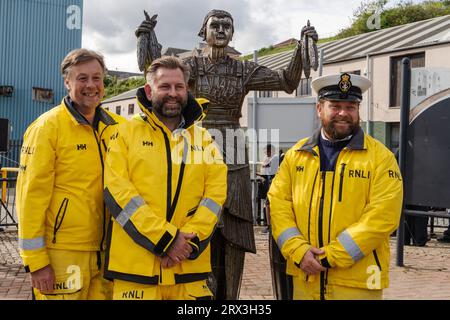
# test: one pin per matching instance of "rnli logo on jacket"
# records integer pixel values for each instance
(363, 174)
(27, 150)
(114, 136)
(81, 147)
(134, 294)
(395, 175)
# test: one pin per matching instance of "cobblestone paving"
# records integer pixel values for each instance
(426, 275)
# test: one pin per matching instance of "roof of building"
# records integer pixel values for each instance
(123, 74)
(228, 49)
(198, 51)
(409, 36)
(173, 51)
(123, 96)
(285, 43)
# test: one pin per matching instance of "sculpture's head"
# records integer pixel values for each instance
(217, 29)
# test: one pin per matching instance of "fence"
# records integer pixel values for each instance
(8, 197)
(12, 157)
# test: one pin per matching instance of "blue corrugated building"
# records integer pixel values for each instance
(35, 35)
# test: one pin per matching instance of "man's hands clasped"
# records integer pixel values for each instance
(180, 250)
(310, 263)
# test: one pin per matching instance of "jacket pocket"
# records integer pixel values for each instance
(192, 211)
(375, 255)
(198, 290)
(66, 285)
(341, 181)
(60, 217)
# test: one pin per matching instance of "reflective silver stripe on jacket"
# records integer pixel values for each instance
(286, 235)
(32, 244)
(211, 205)
(350, 246)
(127, 212)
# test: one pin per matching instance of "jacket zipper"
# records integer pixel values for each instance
(341, 182)
(171, 205)
(309, 212)
(57, 225)
(99, 263)
(180, 182)
(329, 224)
(375, 255)
(322, 273)
(310, 206)
(169, 175)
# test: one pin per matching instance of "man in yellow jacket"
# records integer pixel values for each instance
(335, 201)
(62, 216)
(165, 186)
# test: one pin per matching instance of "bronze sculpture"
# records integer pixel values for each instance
(225, 82)
(148, 47)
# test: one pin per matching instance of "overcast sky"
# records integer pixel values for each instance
(109, 25)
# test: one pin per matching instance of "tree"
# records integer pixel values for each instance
(403, 13)
(114, 87)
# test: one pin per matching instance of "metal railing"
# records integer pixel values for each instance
(12, 157)
(8, 181)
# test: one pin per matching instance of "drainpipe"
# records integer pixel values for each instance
(369, 96)
(321, 62)
(254, 149)
(317, 123)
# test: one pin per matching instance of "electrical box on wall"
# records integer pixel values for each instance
(6, 91)
(4, 135)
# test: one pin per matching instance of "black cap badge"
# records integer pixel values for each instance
(345, 84)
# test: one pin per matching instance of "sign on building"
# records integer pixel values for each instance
(427, 81)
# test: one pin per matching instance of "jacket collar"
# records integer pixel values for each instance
(356, 142)
(100, 114)
(191, 114)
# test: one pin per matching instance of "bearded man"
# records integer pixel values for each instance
(225, 82)
(335, 201)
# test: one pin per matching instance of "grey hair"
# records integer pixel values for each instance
(78, 56)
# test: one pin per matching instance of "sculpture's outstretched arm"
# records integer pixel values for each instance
(304, 58)
(148, 47)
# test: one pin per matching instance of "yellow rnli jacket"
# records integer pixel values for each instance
(60, 183)
(350, 213)
(159, 183)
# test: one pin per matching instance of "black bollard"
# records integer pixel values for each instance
(404, 123)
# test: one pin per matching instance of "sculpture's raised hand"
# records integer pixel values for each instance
(310, 56)
(148, 47)
(147, 25)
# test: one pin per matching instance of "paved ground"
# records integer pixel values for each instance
(14, 282)
(426, 274)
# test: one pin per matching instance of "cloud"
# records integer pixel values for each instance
(109, 25)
